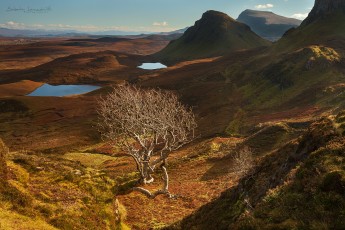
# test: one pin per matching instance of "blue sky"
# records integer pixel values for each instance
(131, 15)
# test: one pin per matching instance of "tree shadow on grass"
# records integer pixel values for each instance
(220, 167)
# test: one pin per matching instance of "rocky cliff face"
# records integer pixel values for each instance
(322, 8)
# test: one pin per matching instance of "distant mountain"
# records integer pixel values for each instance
(159, 37)
(180, 31)
(117, 33)
(5, 32)
(267, 24)
(173, 35)
(215, 34)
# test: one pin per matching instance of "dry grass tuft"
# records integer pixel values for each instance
(3, 165)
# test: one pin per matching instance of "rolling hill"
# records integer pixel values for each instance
(215, 34)
(267, 24)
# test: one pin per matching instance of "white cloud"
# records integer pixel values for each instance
(160, 24)
(300, 16)
(264, 6)
(13, 25)
(38, 25)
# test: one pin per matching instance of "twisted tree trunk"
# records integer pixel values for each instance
(147, 179)
(163, 191)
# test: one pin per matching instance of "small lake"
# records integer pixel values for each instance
(62, 90)
(152, 66)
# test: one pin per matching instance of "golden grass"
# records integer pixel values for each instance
(10, 220)
(88, 159)
(324, 53)
(20, 173)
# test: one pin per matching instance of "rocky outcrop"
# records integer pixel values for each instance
(323, 8)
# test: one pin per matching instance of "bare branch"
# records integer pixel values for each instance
(145, 123)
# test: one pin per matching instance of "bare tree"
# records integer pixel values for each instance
(148, 125)
(243, 160)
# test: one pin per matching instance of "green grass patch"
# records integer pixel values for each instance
(88, 159)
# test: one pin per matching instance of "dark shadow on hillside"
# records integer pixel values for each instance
(262, 142)
(272, 172)
(220, 167)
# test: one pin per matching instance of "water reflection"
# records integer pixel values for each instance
(151, 66)
(62, 90)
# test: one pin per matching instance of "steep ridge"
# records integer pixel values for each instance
(267, 24)
(215, 34)
(324, 9)
(325, 25)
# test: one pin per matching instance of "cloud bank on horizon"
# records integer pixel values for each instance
(131, 15)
